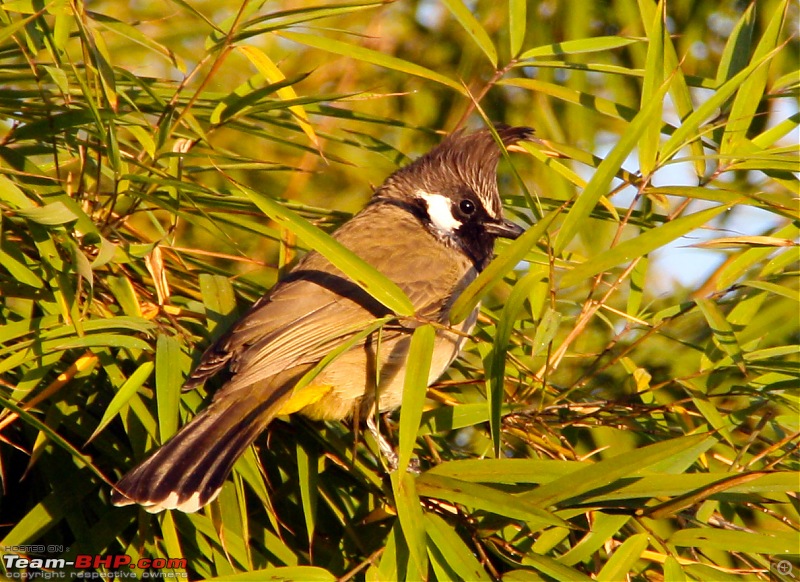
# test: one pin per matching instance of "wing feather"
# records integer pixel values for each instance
(317, 307)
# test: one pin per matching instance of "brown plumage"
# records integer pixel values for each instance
(430, 228)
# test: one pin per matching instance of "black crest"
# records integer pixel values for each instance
(468, 158)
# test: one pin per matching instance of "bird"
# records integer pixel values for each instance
(430, 228)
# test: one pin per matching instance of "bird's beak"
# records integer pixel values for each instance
(504, 228)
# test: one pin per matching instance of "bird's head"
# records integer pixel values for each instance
(453, 190)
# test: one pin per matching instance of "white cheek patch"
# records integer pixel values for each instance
(440, 212)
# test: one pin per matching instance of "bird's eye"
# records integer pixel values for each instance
(466, 206)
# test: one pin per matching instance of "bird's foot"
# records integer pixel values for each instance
(387, 450)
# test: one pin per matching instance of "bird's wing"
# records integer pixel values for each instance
(317, 308)
(317, 320)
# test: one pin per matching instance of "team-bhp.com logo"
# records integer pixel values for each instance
(92, 561)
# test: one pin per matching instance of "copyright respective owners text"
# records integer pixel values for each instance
(53, 562)
(784, 568)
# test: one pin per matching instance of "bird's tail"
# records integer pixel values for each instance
(188, 471)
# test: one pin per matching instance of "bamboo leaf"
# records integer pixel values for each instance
(737, 49)
(395, 559)
(778, 543)
(308, 478)
(486, 498)
(679, 90)
(752, 89)
(121, 398)
(673, 570)
(722, 330)
(554, 569)
(449, 418)
(370, 56)
(219, 300)
(473, 27)
(168, 385)
(583, 45)
(690, 126)
(511, 471)
(409, 514)
(363, 274)
(608, 168)
(20, 272)
(50, 215)
(604, 527)
(609, 470)
(517, 23)
(452, 549)
(624, 557)
(273, 74)
(496, 363)
(653, 79)
(420, 354)
(640, 245)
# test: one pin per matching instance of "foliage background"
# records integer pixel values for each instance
(642, 428)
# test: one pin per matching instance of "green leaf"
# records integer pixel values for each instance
(473, 27)
(48, 513)
(776, 544)
(601, 180)
(722, 330)
(308, 478)
(370, 56)
(56, 439)
(121, 398)
(486, 498)
(679, 90)
(409, 514)
(751, 93)
(496, 368)
(512, 471)
(653, 79)
(219, 300)
(554, 569)
(50, 215)
(737, 49)
(622, 561)
(640, 245)
(11, 193)
(447, 418)
(168, 385)
(171, 537)
(637, 287)
(713, 416)
(19, 272)
(689, 128)
(415, 386)
(395, 558)
(583, 45)
(656, 484)
(451, 547)
(673, 570)
(607, 471)
(127, 31)
(604, 527)
(569, 95)
(517, 23)
(363, 274)
(112, 340)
